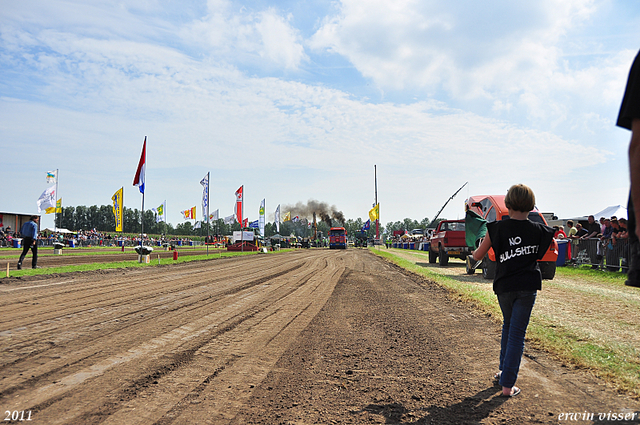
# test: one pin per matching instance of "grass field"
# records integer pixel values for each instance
(587, 318)
(14, 253)
(121, 264)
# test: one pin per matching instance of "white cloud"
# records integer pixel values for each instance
(512, 58)
(246, 36)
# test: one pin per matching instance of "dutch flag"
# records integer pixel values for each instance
(138, 180)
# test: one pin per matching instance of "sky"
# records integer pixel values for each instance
(299, 100)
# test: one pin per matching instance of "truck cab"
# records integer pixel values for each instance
(448, 240)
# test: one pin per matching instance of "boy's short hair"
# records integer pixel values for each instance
(569, 222)
(520, 198)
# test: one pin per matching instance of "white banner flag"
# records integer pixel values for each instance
(160, 212)
(261, 219)
(47, 199)
(277, 219)
(205, 197)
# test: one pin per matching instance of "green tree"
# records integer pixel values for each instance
(66, 218)
(130, 220)
(184, 228)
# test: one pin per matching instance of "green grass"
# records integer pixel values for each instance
(125, 264)
(614, 362)
(48, 252)
(593, 275)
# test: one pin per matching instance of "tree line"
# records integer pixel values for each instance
(102, 219)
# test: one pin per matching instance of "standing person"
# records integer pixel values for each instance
(29, 233)
(518, 244)
(629, 118)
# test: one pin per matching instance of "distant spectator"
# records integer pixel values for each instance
(559, 234)
(615, 226)
(593, 228)
(580, 231)
(573, 235)
(607, 229)
(29, 233)
(572, 229)
(624, 233)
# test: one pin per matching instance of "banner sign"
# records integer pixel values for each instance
(238, 235)
(117, 208)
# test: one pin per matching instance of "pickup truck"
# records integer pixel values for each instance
(448, 240)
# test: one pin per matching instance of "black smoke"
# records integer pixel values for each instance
(327, 213)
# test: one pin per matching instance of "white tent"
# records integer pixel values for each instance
(57, 230)
(616, 210)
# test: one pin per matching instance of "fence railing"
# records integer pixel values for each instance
(601, 254)
(104, 242)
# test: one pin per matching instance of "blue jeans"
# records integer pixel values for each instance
(516, 310)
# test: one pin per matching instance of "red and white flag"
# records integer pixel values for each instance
(239, 203)
(138, 180)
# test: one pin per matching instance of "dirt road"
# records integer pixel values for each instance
(312, 336)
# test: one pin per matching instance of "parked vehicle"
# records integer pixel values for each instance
(492, 208)
(337, 238)
(448, 240)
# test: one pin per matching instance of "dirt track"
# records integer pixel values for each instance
(313, 336)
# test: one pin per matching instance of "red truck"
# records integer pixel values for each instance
(448, 240)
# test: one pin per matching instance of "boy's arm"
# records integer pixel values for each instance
(482, 250)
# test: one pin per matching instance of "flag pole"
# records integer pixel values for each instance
(208, 202)
(242, 224)
(375, 173)
(142, 220)
(55, 211)
(143, 190)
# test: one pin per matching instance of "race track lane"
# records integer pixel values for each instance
(151, 345)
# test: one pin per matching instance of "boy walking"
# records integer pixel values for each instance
(518, 245)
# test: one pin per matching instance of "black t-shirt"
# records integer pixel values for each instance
(630, 108)
(594, 229)
(518, 245)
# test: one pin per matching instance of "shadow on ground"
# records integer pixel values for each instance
(471, 410)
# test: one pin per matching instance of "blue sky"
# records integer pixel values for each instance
(297, 100)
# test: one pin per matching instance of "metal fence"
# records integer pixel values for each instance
(103, 242)
(600, 254)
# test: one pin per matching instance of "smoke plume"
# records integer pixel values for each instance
(323, 210)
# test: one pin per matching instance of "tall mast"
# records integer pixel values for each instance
(55, 210)
(208, 202)
(375, 173)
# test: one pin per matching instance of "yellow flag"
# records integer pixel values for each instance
(287, 217)
(57, 209)
(117, 208)
(374, 213)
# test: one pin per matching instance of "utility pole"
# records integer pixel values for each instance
(375, 173)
